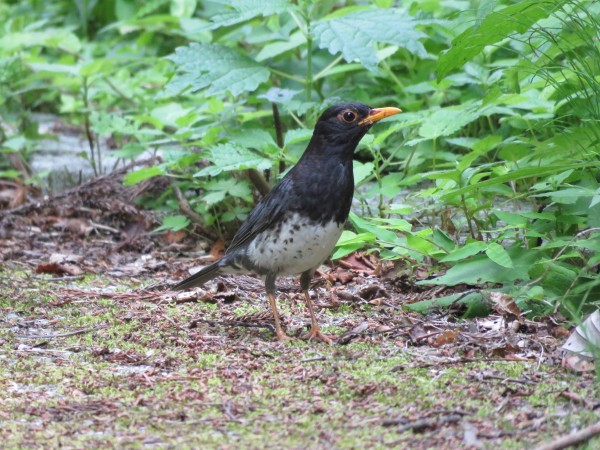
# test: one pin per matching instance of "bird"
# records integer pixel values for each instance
(293, 229)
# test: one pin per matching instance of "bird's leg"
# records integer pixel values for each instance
(315, 332)
(281, 336)
(270, 287)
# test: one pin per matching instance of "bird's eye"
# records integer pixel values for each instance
(348, 116)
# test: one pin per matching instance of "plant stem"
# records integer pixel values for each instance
(309, 74)
(287, 75)
(88, 128)
(331, 65)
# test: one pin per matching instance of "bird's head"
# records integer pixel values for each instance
(344, 124)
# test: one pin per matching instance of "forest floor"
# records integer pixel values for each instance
(96, 352)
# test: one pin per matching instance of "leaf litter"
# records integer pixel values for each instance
(95, 347)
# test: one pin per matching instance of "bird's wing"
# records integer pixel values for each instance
(264, 214)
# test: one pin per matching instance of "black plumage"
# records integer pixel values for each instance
(294, 228)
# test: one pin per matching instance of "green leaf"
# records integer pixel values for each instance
(182, 8)
(496, 26)
(173, 223)
(465, 251)
(232, 157)
(350, 242)
(362, 170)
(217, 190)
(141, 175)
(474, 301)
(216, 68)
(527, 172)
(448, 121)
(297, 135)
(480, 269)
(243, 10)
(498, 254)
(52, 38)
(354, 34)
(278, 47)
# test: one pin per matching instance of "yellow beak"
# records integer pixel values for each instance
(376, 114)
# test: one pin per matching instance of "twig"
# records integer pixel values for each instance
(65, 278)
(316, 358)
(52, 336)
(572, 439)
(278, 133)
(422, 423)
(258, 181)
(270, 327)
(188, 212)
(448, 363)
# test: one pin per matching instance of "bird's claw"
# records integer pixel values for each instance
(282, 337)
(316, 333)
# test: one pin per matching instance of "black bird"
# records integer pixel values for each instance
(294, 228)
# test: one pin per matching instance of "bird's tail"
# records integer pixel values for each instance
(201, 277)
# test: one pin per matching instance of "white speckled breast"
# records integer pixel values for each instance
(296, 246)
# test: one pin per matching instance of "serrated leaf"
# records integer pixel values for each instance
(182, 8)
(230, 157)
(173, 223)
(362, 170)
(495, 27)
(354, 34)
(254, 138)
(297, 135)
(216, 68)
(141, 175)
(278, 95)
(498, 254)
(447, 121)
(217, 190)
(53, 38)
(278, 47)
(242, 10)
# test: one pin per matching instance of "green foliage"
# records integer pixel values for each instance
(491, 172)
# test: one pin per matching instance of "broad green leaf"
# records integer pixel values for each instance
(278, 47)
(480, 269)
(465, 251)
(498, 254)
(297, 135)
(350, 242)
(527, 172)
(242, 10)
(232, 157)
(362, 224)
(476, 304)
(513, 219)
(52, 38)
(216, 68)
(445, 122)
(141, 175)
(217, 190)
(496, 26)
(173, 223)
(182, 8)
(354, 34)
(278, 95)
(257, 138)
(362, 170)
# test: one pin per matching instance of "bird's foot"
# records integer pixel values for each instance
(282, 337)
(316, 333)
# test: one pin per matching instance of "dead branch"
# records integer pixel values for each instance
(194, 217)
(572, 439)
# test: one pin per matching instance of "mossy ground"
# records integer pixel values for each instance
(139, 376)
